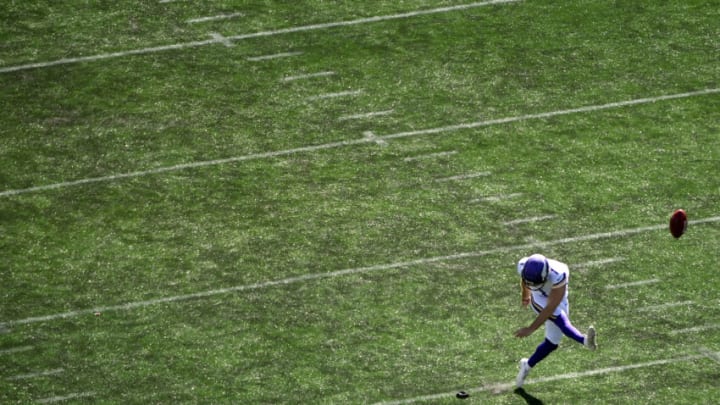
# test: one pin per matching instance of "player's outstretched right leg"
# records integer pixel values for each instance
(590, 340)
(562, 321)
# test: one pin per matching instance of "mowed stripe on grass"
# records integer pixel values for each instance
(364, 140)
(316, 276)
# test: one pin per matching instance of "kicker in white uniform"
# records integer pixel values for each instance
(544, 284)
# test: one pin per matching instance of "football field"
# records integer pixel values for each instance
(315, 202)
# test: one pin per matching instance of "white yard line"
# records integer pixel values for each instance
(273, 56)
(371, 136)
(665, 306)
(307, 76)
(13, 350)
(184, 45)
(633, 284)
(502, 387)
(464, 176)
(694, 329)
(714, 356)
(550, 114)
(186, 166)
(359, 270)
(214, 18)
(112, 55)
(66, 397)
(528, 220)
(333, 145)
(36, 375)
(365, 115)
(221, 39)
(430, 156)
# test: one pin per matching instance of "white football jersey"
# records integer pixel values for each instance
(558, 276)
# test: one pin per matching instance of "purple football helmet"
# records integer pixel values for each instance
(535, 271)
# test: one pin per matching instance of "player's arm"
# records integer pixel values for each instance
(525, 294)
(554, 299)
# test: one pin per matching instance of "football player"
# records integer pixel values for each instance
(545, 288)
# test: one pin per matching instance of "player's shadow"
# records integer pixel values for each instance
(531, 400)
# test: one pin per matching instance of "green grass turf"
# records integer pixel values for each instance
(409, 318)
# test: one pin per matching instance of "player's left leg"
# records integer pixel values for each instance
(553, 335)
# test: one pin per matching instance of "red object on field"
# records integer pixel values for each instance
(678, 223)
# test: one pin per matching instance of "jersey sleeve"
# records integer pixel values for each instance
(560, 283)
(558, 276)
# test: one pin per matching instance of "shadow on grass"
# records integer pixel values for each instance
(531, 400)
